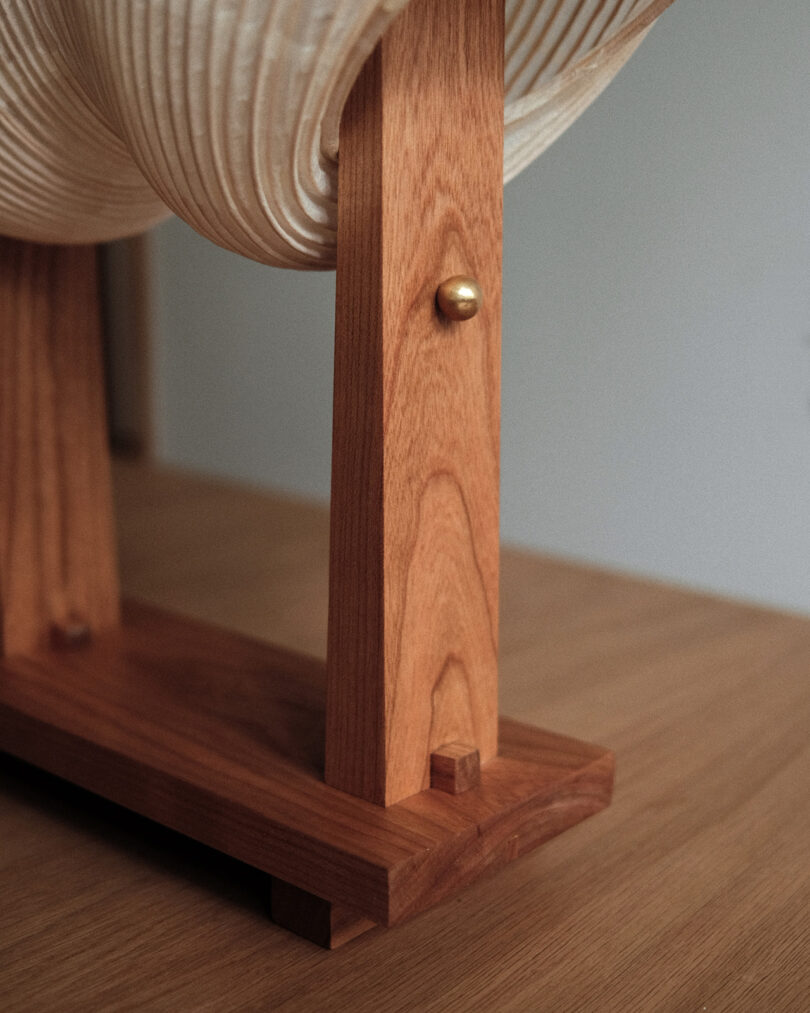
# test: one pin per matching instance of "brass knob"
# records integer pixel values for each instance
(459, 297)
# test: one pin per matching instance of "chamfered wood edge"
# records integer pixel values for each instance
(384, 864)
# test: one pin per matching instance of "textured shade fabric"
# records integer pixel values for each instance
(226, 112)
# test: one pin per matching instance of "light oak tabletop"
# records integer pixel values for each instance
(691, 892)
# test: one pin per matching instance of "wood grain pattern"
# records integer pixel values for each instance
(691, 890)
(57, 556)
(414, 565)
(222, 738)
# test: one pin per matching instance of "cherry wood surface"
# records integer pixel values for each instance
(221, 737)
(691, 890)
(57, 563)
(413, 628)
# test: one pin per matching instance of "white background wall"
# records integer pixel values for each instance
(656, 399)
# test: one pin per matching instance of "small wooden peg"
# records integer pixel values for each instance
(455, 767)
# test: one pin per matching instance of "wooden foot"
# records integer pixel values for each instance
(321, 922)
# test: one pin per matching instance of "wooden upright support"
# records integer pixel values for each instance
(220, 737)
(58, 580)
(413, 608)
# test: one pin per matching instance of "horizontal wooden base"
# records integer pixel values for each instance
(221, 738)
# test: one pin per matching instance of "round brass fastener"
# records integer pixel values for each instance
(459, 297)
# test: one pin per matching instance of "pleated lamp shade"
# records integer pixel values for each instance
(115, 113)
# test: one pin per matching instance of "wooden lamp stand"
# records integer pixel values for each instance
(373, 787)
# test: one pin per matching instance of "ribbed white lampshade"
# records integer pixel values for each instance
(113, 112)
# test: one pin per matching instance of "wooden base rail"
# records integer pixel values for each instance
(221, 738)
(377, 784)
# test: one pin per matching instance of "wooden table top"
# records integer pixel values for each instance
(692, 892)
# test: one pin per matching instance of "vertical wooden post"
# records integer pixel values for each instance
(413, 608)
(58, 578)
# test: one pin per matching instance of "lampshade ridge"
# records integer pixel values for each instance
(226, 112)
